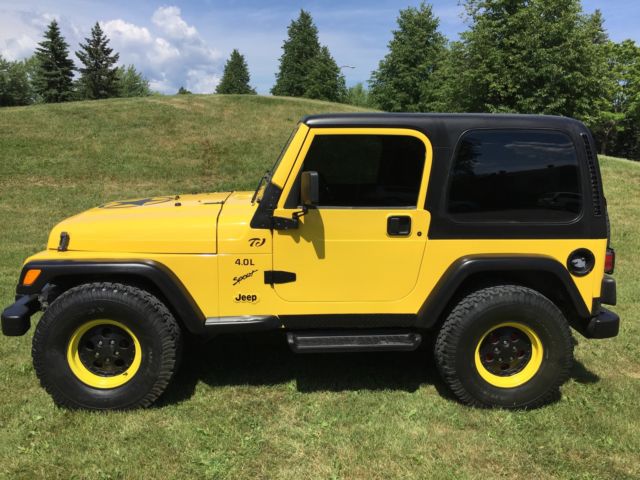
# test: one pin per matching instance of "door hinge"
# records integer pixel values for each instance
(272, 277)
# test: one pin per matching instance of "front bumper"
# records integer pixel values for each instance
(16, 318)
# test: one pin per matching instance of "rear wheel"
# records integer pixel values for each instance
(106, 346)
(506, 346)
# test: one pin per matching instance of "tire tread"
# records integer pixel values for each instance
(170, 332)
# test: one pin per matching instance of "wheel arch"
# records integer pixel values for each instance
(538, 272)
(148, 275)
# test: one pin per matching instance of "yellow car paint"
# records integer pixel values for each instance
(529, 370)
(344, 261)
(91, 379)
(163, 224)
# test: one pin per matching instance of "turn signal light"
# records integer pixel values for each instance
(30, 277)
(610, 261)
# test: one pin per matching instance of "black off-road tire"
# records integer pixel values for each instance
(478, 313)
(153, 325)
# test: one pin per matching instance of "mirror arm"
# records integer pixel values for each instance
(282, 223)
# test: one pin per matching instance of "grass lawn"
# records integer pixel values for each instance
(245, 407)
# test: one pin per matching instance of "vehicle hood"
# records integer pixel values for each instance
(163, 224)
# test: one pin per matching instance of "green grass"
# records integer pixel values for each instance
(246, 407)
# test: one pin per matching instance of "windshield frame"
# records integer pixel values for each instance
(264, 181)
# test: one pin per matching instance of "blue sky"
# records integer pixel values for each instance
(185, 43)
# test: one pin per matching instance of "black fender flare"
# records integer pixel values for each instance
(463, 268)
(168, 284)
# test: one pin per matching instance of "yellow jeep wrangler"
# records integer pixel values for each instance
(486, 233)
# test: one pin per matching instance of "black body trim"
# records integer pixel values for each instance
(263, 217)
(16, 318)
(347, 320)
(608, 294)
(178, 297)
(463, 268)
(272, 277)
(605, 324)
(63, 246)
(245, 323)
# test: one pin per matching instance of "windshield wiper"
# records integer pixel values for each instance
(264, 178)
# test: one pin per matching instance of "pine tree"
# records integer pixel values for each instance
(299, 51)
(235, 78)
(183, 91)
(98, 77)
(53, 80)
(131, 83)
(324, 81)
(403, 80)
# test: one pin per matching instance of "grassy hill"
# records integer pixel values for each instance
(247, 407)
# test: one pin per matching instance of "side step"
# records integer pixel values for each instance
(352, 341)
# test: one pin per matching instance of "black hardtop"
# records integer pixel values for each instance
(444, 129)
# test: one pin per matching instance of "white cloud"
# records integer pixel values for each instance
(20, 33)
(174, 56)
(169, 21)
(124, 32)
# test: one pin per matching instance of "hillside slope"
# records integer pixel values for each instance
(247, 407)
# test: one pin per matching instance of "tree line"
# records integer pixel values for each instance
(48, 76)
(522, 56)
(518, 56)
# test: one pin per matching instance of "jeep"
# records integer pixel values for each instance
(486, 236)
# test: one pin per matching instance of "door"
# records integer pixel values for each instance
(365, 240)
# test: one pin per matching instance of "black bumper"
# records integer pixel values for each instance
(16, 318)
(604, 324)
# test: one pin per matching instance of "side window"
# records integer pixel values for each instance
(367, 170)
(515, 176)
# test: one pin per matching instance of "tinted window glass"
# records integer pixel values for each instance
(510, 175)
(367, 170)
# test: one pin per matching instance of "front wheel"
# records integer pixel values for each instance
(106, 346)
(506, 346)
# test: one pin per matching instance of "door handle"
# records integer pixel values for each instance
(399, 225)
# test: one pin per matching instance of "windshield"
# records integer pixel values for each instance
(264, 181)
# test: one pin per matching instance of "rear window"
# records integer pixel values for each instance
(515, 176)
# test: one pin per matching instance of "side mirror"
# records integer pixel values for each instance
(310, 189)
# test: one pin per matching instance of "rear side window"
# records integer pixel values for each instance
(367, 170)
(515, 176)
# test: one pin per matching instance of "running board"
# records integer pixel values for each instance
(352, 341)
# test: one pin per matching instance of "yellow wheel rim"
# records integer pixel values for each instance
(519, 370)
(104, 381)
